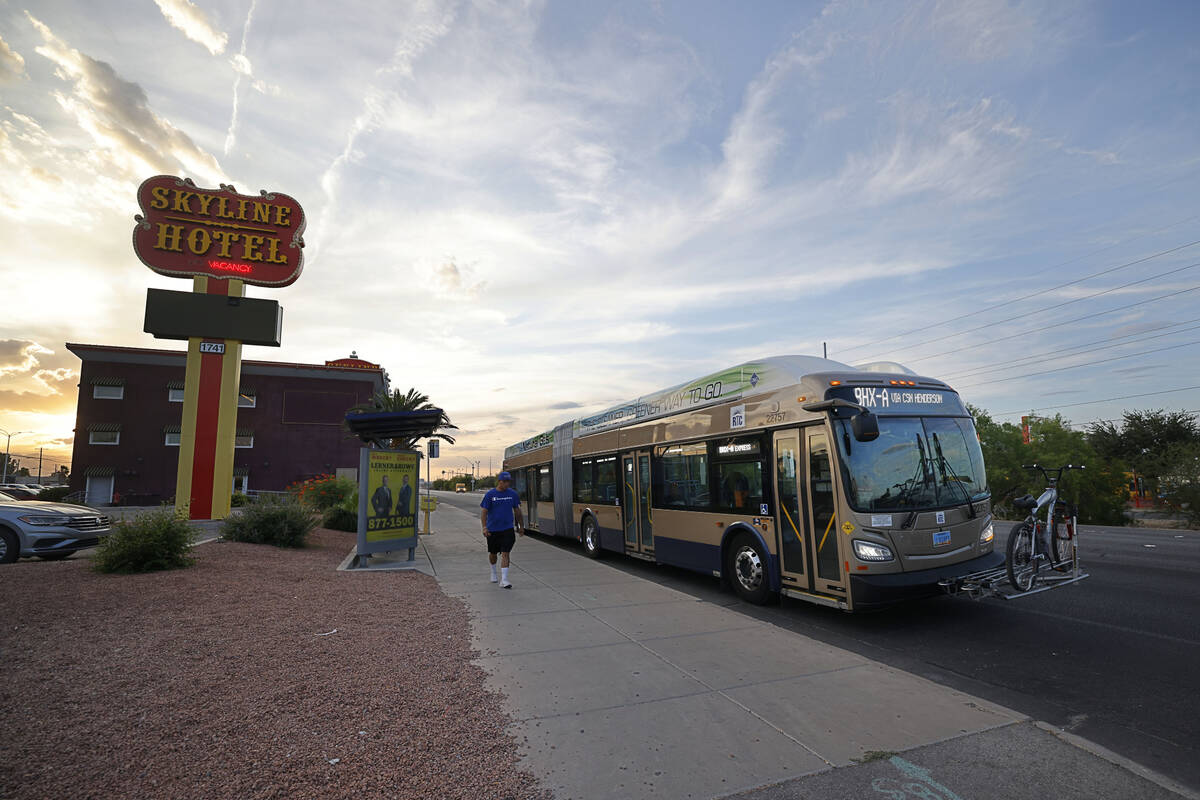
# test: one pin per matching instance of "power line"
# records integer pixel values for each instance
(1088, 364)
(1052, 288)
(1122, 419)
(1058, 305)
(1055, 325)
(1090, 402)
(998, 366)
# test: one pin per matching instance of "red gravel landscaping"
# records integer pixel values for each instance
(214, 682)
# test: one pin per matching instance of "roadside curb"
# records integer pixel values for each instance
(1118, 760)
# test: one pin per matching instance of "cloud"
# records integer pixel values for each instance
(34, 381)
(194, 24)
(116, 115)
(12, 65)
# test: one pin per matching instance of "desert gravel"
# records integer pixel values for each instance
(256, 673)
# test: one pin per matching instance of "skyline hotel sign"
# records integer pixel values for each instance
(221, 241)
(185, 231)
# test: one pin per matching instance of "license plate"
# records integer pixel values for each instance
(941, 537)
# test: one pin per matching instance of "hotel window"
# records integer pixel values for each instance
(172, 435)
(243, 439)
(175, 395)
(107, 435)
(108, 392)
(247, 398)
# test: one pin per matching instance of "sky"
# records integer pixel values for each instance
(534, 210)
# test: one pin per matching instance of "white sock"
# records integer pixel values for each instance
(504, 574)
(493, 572)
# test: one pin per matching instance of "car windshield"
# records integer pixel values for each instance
(7, 498)
(917, 462)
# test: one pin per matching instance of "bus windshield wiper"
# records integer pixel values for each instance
(947, 476)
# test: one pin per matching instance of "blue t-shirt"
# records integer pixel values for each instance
(500, 507)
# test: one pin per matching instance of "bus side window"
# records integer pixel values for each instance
(741, 486)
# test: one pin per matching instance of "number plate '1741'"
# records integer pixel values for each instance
(212, 347)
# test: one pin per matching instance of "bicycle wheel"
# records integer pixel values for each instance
(1064, 551)
(1019, 561)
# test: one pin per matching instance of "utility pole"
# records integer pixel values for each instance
(4, 479)
(39, 480)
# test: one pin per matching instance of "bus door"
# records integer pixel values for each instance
(792, 525)
(531, 483)
(826, 563)
(635, 496)
(807, 524)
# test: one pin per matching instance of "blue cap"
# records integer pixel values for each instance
(504, 476)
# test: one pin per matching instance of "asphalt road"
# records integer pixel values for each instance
(1114, 658)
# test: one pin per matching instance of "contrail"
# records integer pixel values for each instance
(242, 67)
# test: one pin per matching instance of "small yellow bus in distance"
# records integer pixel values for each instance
(460, 487)
(850, 487)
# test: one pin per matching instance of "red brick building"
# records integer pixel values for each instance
(289, 423)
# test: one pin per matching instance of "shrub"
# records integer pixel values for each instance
(237, 500)
(323, 492)
(54, 494)
(151, 541)
(268, 519)
(340, 519)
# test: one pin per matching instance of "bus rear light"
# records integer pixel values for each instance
(870, 551)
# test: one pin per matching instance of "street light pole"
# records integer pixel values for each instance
(7, 449)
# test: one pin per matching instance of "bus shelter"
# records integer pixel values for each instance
(388, 479)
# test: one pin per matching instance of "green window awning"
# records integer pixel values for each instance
(104, 427)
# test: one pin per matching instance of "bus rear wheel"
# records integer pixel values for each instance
(591, 538)
(746, 566)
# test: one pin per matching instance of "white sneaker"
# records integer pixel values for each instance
(505, 585)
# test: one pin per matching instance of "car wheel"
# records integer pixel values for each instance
(591, 538)
(10, 546)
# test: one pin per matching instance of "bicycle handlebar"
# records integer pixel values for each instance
(1064, 466)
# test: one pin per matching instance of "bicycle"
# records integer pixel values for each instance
(1035, 543)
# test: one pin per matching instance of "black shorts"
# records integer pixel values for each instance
(501, 541)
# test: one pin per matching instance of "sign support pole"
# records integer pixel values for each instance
(204, 481)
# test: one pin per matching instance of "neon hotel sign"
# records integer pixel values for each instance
(186, 231)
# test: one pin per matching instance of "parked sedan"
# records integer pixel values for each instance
(20, 492)
(47, 530)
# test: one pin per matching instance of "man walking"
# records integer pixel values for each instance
(501, 521)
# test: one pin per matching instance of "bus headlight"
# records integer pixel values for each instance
(988, 534)
(870, 551)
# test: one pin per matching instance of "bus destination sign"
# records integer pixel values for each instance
(892, 400)
(186, 231)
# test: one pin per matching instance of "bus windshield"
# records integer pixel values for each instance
(916, 463)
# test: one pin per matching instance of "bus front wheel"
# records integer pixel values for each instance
(746, 566)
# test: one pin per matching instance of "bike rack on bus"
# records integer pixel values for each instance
(994, 582)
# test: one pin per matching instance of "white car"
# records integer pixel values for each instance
(47, 530)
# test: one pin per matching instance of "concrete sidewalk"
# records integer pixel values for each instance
(622, 688)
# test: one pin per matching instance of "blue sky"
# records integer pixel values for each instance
(535, 210)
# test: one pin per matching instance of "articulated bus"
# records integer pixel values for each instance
(850, 487)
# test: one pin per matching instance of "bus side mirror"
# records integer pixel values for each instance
(865, 426)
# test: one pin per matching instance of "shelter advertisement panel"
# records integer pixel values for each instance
(387, 499)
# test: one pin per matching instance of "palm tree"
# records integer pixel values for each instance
(412, 400)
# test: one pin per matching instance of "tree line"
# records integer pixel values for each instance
(1159, 449)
